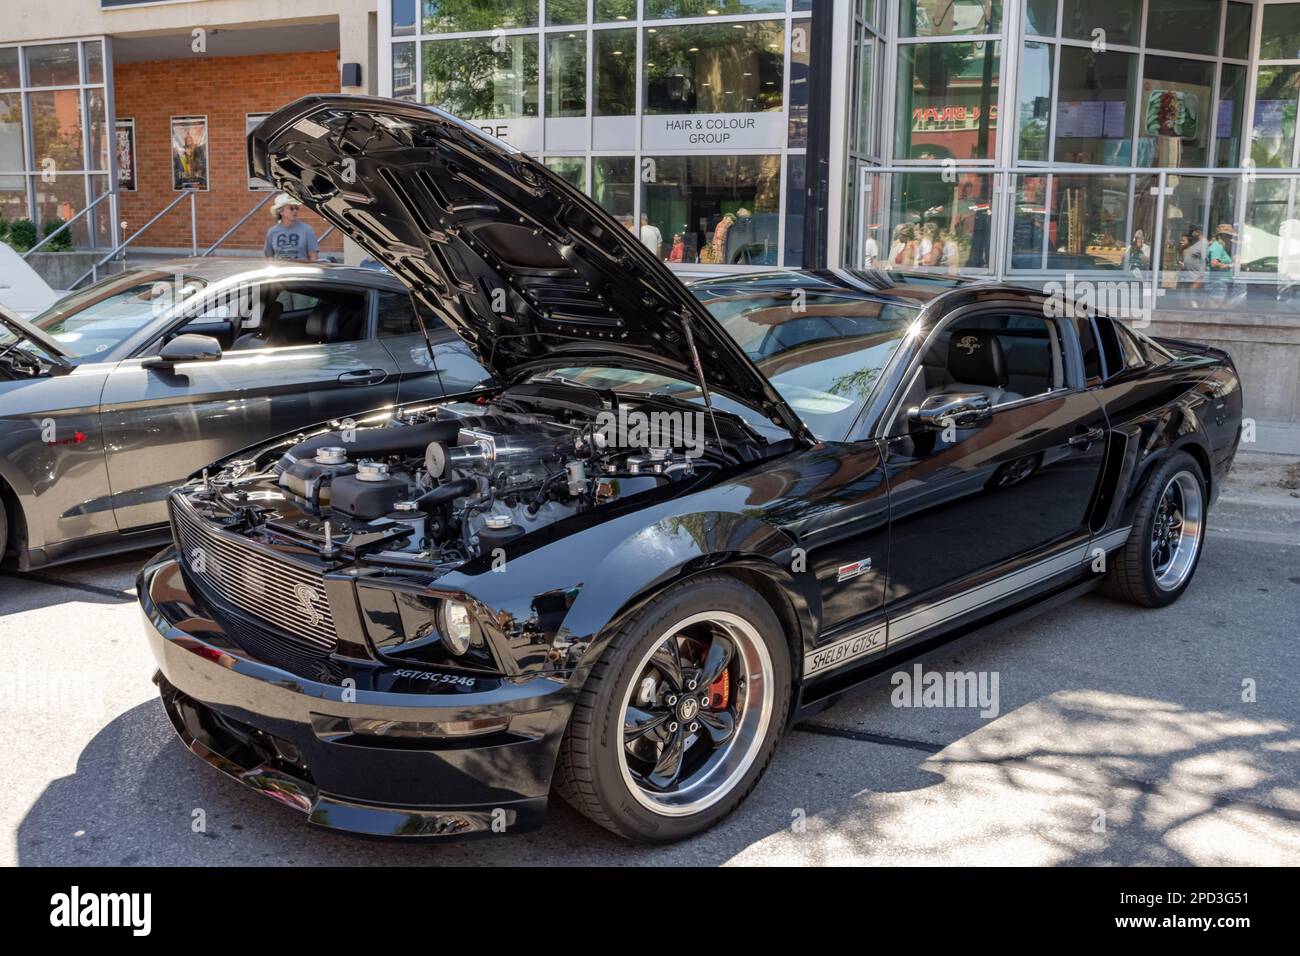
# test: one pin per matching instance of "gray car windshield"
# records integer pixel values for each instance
(823, 351)
(104, 315)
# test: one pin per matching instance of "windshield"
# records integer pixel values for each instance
(104, 315)
(822, 350)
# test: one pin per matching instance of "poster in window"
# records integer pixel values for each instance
(125, 145)
(189, 152)
(251, 121)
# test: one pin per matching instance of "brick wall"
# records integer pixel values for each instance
(224, 89)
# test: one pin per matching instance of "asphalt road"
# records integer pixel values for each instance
(1121, 737)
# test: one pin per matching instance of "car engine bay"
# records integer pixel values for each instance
(444, 484)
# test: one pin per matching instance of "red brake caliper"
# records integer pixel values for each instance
(720, 692)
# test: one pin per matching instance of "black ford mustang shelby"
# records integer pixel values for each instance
(422, 625)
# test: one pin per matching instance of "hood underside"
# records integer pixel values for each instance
(525, 268)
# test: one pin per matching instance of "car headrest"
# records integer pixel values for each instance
(975, 358)
(324, 322)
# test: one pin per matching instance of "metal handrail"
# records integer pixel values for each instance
(243, 219)
(67, 224)
(94, 269)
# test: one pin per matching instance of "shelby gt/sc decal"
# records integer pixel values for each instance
(842, 651)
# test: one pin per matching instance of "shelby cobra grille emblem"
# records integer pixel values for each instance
(853, 570)
(306, 598)
(968, 344)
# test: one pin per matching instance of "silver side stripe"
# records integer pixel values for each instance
(871, 640)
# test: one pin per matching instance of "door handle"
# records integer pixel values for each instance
(365, 376)
(1086, 439)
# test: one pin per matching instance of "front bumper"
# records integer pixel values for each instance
(332, 749)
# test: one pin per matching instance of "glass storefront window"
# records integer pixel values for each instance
(800, 45)
(865, 119)
(1029, 221)
(573, 169)
(94, 51)
(607, 11)
(565, 12)
(9, 73)
(1194, 210)
(614, 72)
(13, 197)
(947, 101)
(936, 18)
(404, 71)
(1088, 224)
(1272, 133)
(62, 199)
(11, 132)
(1267, 244)
(1232, 99)
(937, 224)
(1190, 26)
(52, 64)
(1035, 100)
(566, 74)
(715, 68)
(403, 18)
(664, 9)
(56, 129)
(476, 78)
(716, 209)
(1280, 32)
(97, 114)
(1040, 17)
(1094, 107)
(613, 185)
(456, 16)
(1174, 125)
(1236, 31)
(794, 207)
(1119, 21)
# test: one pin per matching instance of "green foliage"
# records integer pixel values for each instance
(22, 234)
(4, 231)
(60, 243)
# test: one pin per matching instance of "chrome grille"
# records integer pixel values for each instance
(253, 580)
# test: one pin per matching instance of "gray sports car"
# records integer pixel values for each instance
(120, 391)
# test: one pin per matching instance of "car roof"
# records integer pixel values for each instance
(899, 288)
(220, 268)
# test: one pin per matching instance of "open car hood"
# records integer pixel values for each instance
(525, 268)
(25, 330)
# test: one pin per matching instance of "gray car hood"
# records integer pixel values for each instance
(525, 268)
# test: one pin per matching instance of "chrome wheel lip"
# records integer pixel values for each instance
(1185, 534)
(727, 766)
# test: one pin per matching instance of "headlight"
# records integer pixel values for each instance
(455, 626)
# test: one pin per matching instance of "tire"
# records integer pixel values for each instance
(4, 527)
(1139, 573)
(625, 790)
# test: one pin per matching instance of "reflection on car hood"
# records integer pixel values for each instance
(525, 268)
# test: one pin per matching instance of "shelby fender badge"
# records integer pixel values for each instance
(853, 570)
(843, 651)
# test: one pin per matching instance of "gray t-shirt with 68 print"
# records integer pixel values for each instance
(289, 242)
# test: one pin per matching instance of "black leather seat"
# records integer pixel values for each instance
(976, 364)
(260, 337)
(333, 322)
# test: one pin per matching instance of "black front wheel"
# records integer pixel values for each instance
(680, 715)
(1157, 562)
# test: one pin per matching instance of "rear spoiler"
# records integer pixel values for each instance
(1196, 348)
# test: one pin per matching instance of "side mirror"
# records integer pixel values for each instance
(962, 409)
(185, 348)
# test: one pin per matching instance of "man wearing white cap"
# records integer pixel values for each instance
(289, 238)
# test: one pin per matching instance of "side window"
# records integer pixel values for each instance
(1135, 355)
(294, 315)
(1007, 356)
(1091, 351)
(396, 315)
